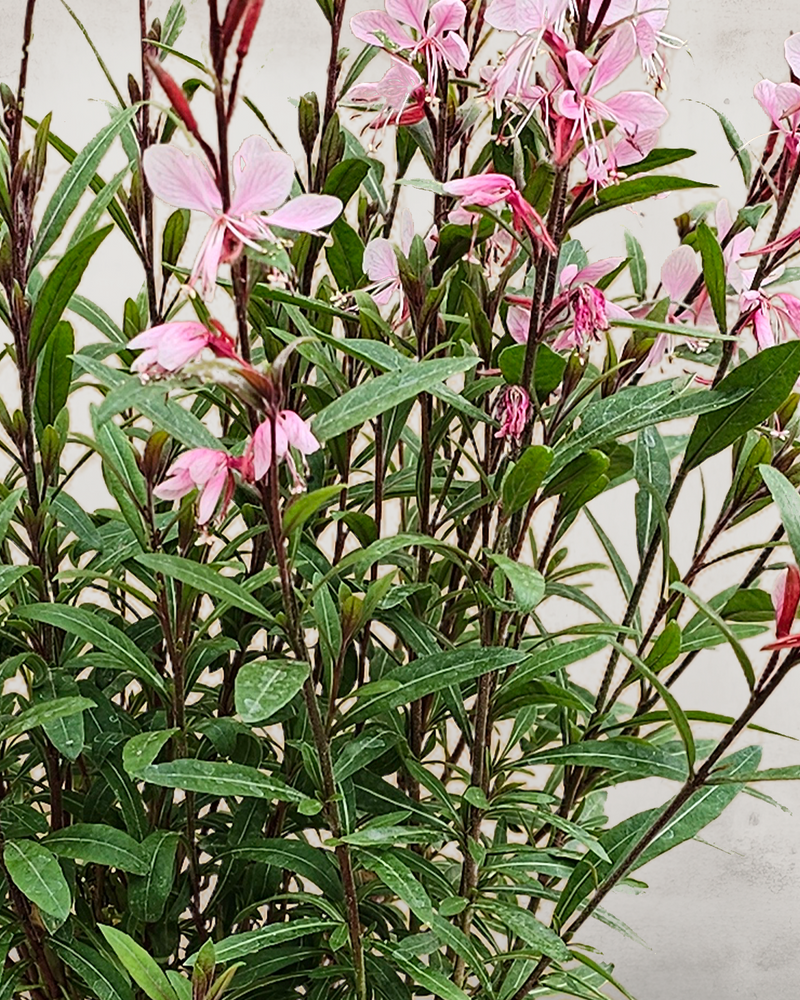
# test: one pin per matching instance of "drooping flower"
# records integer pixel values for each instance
(483, 190)
(785, 599)
(168, 347)
(209, 471)
(434, 33)
(263, 181)
(514, 411)
(590, 310)
(770, 315)
(399, 96)
(631, 110)
(291, 431)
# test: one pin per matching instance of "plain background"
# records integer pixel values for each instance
(720, 916)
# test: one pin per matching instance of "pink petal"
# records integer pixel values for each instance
(762, 328)
(210, 494)
(454, 50)
(207, 263)
(262, 446)
(481, 189)
(616, 11)
(365, 25)
(634, 109)
(790, 642)
(407, 233)
(593, 272)
(380, 261)
(785, 598)
(569, 106)
(446, 15)
(578, 68)
(408, 12)
(679, 272)
(646, 38)
(518, 321)
(765, 92)
(617, 54)
(298, 433)
(180, 180)
(635, 147)
(568, 273)
(204, 463)
(524, 16)
(308, 213)
(791, 308)
(175, 487)
(791, 49)
(262, 177)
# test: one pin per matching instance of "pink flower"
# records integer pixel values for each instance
(435, 32)
(591, 310)
(631, 110)
(291, 431)
(781, 101)
(209, 471)
(484, 190)
(399, 96)
(263, 181)
(168, 347)
(603, 163)
(770, 314)
(785, 598)
(648, 18)
(515, 408)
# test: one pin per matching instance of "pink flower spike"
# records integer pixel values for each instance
(209, 471)
(262, 179)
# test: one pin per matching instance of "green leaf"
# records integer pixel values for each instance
(785, 496)
(96, 843)
(265, 686)
(219, 778)
(713, 273)
(344, 256)
(43, 713)
(523, 480)
(77, 178)
(724, 627)
(524, 925)
(665, 649)
(637, 265)
(427, 675)
(204, 579)
(740, 150)
(148, 893)
(104, 980)
(633, 757)
(10, 575)
(385, 392)
(429, 979)
(763, 383)
(248, 942)
(55, 374)
(94, 629)
(628, 192)
(58, 287)
(94, 212)
(141, 966)
(176, 229)
(312, 863)
(345, 179)
(698, 811)
(142, 749)
(37, 874)
(297, 513)
(67, 734)
(650, 465)
(526, 582)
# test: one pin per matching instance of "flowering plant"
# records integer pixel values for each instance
(321, 699)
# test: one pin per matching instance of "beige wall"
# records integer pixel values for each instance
(720, 921)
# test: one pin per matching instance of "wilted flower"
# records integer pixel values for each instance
(291, 431)
(209, 471)
(785, 598)
(263, 181)
(483, 190)
(514, 411)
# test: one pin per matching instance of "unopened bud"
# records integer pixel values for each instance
(251, 17)
(50, 450)
(176, 96)
(134, 91)
(308, 120)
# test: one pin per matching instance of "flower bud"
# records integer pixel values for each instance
(50, 451)
(176, 96)
(134, 91)
(308, 120)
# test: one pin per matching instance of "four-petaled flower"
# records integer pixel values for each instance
(290, 431)
(263, 181)
(209, 471)
(168, 347)
(785, 598)
(435, 32)
(631, 109)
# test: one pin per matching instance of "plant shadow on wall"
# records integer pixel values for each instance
(300, 713)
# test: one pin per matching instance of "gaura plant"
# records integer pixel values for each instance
(299, 713)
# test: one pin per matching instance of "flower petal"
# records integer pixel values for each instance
(617, 54)
(481, 189)
(262, 177)
(210, 494)
(791, 49)
(298, 433)
(679, 272)
(518, 320)
(308, 213)
(785, 598)
(370, 25)
(181, 180)
(455, 51)
(447, 15)
(380, 261)
(408, 12)
(634, 109)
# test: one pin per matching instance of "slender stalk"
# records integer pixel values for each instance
(333, 63)
(144, 142)
(19, 110)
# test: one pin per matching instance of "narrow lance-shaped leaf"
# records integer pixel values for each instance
(713, 273)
